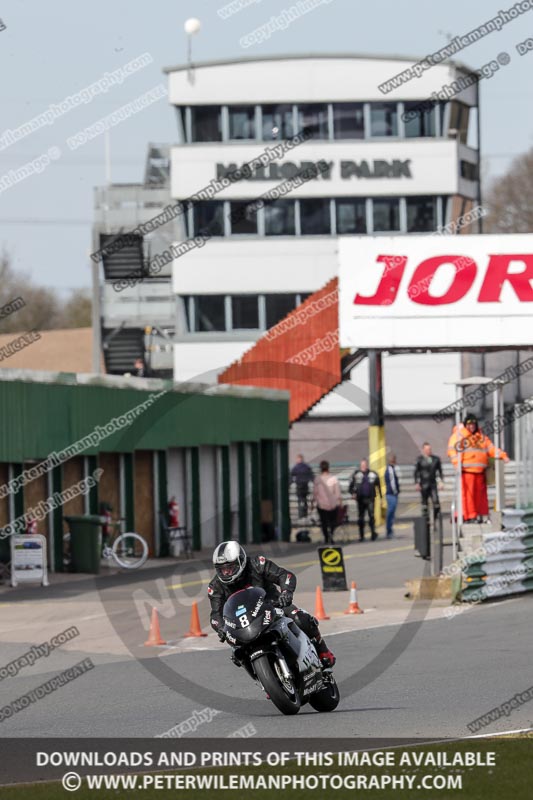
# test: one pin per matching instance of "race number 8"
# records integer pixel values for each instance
(244, 621)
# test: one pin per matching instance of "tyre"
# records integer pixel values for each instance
(130, 551)
(282, 693)
(327, 699)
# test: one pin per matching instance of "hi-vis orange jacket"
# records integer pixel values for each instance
(476, 448)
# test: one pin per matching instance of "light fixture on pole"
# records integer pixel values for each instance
(191, 27)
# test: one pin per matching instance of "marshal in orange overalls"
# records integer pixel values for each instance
(475, 449)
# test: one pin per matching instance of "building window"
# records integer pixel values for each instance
(351, 215)
(423, 124)
(208, 218)
(209, 312)
(386, 213)
(277, 122)
(421, 214)
(205, 124)
(383, 119)
(469, 171)
(348, 121)
(278, 306)
(459, 115)
(315, 217)
(279, 218)
(241, 122)
(245, 312)
(313, 120)
(243, 217)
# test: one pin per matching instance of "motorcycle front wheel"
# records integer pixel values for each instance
(282, 692)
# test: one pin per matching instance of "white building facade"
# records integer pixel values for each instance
(386, 166)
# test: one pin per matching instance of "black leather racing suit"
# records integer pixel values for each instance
(267, 575)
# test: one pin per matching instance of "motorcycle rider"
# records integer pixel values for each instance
(235, 571)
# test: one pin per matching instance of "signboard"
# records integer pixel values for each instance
(373, 168)
(28, 559)
(435, 291)
(332, 568)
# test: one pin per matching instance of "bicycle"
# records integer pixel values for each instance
(127, 549)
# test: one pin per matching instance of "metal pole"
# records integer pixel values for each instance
(496, 407)
(96, 323)
(517, 459)
(456, 525)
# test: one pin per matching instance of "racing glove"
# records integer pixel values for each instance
(221, 635)
(285, 598)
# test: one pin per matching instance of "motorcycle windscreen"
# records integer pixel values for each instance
(243, 614)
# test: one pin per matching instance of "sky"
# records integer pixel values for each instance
(49, 51)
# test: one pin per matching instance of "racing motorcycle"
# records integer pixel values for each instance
(277, 653)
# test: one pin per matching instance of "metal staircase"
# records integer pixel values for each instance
(122, 346)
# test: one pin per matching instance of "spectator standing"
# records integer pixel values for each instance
(327, 496)
(392, 490)
(428, 470)
(302, 476)
(363, 487)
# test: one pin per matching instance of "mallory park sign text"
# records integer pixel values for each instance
(345, 169)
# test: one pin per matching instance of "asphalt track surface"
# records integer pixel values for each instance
(427, 676)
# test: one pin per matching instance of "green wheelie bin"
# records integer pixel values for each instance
(85, 543)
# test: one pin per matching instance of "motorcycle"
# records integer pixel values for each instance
(277, 653)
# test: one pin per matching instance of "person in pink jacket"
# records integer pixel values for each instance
(327, 496)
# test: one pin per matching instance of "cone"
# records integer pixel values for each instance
(353, 608)
(154, 637)
(195, 629)
(320, 614)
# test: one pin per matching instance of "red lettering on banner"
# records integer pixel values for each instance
(388, 286)
(465, 273)
(498, 272)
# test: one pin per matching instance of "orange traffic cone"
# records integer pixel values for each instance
(320, 614)
(195, 629)
(154, 637)
(353, 608)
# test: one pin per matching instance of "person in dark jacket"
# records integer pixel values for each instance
(428, 469)
(302, 476)
(363, 487)
(392, 490)
(235, 571)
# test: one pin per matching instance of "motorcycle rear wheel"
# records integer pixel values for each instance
(327, 699)
(286, 701)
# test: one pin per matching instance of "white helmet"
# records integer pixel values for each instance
(229, 559)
